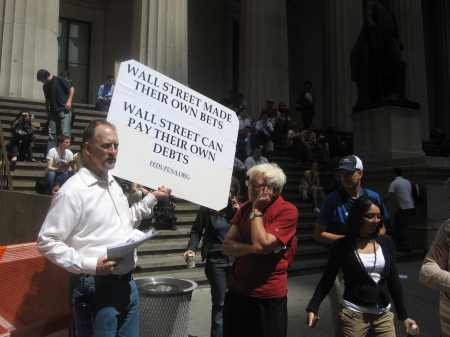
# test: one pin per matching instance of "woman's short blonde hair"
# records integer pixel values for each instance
(274, 175)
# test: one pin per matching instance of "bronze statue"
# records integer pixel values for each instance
(377, 63)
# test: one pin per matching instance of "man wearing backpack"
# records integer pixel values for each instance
(331, 222)
(402, 188)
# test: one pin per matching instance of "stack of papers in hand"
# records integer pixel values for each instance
(132, 241)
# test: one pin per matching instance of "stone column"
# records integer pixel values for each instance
(343, 20)
(159, 36)
(263, 67)
(409, 17)
(28, 42)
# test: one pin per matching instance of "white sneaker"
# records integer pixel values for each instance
(316, 210)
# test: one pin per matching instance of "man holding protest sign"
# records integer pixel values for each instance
(262, 237)
(87, 215)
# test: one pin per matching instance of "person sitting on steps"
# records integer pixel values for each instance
(22, 137)
(310, 185)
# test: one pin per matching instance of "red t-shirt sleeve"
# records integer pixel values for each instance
(284, 224)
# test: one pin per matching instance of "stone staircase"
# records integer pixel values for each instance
(162, 255)
(24, 174)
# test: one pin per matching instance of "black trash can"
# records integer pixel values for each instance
(165, 303)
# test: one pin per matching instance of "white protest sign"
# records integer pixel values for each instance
(172, 135)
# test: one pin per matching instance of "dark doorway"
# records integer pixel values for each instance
(74, 54)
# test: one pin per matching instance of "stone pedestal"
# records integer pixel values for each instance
(387, 133)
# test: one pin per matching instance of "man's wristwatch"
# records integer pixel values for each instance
(255, 215)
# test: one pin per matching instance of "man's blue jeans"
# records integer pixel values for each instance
(58, 124)
(114, 303)
(21, 147)
(217, 270)
(62, 177)
(307, 148)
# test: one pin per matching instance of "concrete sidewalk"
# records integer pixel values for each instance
(422, 304)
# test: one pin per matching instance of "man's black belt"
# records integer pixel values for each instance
(126, 276)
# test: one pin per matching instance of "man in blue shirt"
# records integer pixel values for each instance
(331, 222)
(105, 93)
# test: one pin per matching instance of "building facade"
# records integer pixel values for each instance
(261, 48)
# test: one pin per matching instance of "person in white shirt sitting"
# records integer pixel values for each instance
(60, 163)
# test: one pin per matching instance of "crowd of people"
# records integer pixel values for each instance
(276, 131)
(248, 248)
(250, 244)
(267, 133)
(361, 276)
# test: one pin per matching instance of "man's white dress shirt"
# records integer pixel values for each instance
(86, 216)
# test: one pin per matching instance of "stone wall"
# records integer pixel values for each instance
(21, 216)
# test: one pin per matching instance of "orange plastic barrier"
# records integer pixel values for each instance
(34, 297)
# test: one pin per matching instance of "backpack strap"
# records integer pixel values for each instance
(346, 198)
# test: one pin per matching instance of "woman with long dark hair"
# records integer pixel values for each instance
(369, 266)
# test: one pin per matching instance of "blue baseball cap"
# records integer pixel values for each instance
(351, 163)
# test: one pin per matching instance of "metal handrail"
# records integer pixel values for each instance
(5, 168)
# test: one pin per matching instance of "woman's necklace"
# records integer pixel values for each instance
(375, 259)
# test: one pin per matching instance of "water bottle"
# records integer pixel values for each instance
(412, 330)
(84, 323)
(191, 261)
(32, 115)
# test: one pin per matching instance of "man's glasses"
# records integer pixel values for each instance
(253, 183)
(372, 216)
